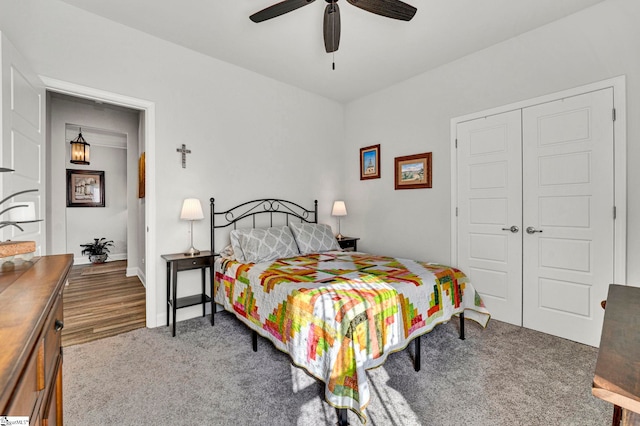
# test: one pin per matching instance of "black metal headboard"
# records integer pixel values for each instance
(251, 209)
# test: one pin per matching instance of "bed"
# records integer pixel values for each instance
(335, 313)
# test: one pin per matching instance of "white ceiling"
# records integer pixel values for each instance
(375, 52)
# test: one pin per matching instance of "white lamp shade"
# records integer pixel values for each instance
(22, 214)
(339, 209)
(191, 209)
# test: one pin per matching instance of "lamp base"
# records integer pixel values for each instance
(192, 252)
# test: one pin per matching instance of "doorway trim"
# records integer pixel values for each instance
(618, 84)
(149, 109)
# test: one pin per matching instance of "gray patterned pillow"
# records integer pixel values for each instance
(313, 237)
(263, 245)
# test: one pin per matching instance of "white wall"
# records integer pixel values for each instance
(412, 117)
(250, 136)
(110, 132)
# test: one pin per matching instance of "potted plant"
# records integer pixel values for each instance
(97, 250)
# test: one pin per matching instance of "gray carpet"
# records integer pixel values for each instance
(501, 375)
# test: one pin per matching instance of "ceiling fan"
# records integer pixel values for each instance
(395, 9)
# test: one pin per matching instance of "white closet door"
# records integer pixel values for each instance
(489, 205)
(22, 142)
(568, 205)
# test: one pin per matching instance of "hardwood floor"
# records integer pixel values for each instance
(101, 305)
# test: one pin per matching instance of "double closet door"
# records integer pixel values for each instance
(536, 213)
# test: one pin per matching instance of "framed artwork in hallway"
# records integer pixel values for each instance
(85, 188)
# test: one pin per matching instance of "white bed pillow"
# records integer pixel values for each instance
(314, 237)
(227, 253)
(262, 245)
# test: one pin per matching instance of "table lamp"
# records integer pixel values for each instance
(191, 210)
(339, 209)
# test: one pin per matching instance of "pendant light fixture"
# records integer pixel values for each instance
(80, 150)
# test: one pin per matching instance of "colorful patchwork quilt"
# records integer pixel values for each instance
(338, 314)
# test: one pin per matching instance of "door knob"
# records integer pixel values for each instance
(513, 229)
(532, 230)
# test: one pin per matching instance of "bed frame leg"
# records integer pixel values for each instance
(254, 341)
(342, 417)
(416, 358)
(461, 325)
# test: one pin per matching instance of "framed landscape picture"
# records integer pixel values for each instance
(85, 188)
(413, 171)
(370, 162)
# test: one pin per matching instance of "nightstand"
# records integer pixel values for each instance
(348, 243)
(179, 262)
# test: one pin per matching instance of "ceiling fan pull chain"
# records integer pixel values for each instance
(333, 54)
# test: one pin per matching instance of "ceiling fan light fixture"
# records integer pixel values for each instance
(394, 9)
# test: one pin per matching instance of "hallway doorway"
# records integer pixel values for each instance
(147, 215)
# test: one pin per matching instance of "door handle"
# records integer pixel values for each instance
(513, 229)
(532, 230)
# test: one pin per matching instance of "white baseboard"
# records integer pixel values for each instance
(84, 260)
(81, 261)
(132, 272)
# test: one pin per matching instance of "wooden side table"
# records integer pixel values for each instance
(348, 243)
(179, 262)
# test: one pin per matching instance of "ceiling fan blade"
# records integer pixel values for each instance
(278, 9)
(331, 27)
(390, 8)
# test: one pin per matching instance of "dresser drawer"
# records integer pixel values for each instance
(51, 410)
(27, 391)
(53, 339)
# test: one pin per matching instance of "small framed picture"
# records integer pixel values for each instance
(85, 188)
(370, 162)
(413, 171)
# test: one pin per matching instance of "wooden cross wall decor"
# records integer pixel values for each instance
(184, 151)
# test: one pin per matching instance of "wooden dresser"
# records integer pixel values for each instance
(31, 322)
